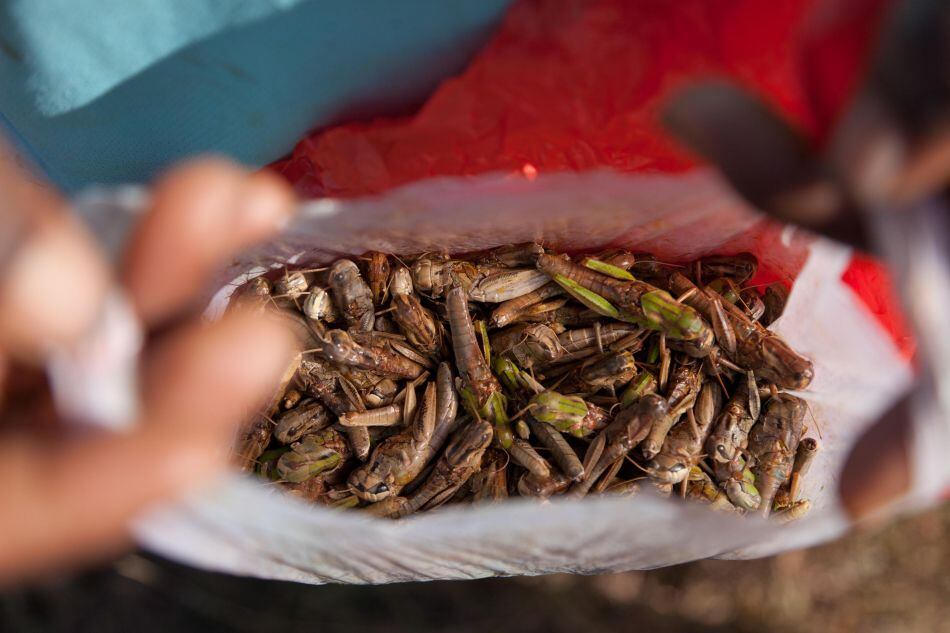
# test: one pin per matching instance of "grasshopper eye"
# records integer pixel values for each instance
(721, 449)
(379, 489)
(677, 468)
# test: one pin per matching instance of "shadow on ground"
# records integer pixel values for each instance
(891, 579)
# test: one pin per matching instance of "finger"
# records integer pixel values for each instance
(203, 213)
(892, 145)
(878, 469)
(67, 503)
(763, 158)
(203, 374)
(52, 277)
(881, 164)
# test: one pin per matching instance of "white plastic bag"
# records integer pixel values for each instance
(244, 527)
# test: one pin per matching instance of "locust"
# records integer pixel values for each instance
(417, 323)
(354, 299)
(773, 443)
(528, 345)
(291, 286)
(430, 379)
(509, 311)
(512, 256)
(434, 275)
(730, 436)
(626, 431)
(684, 444)
(400, 458)
(739, 268)
(753, 346)
(378, 271)
(490, 482)
(561, 452)
(626, 300)
(774, 300)
(480, 389)
(610, 371)
(252, 440)
(568, 414)
(738, 481)
(599, 336)
(341, 348)
(684, 388)
(533, 485)
(318, 305)
(507, 285)
(462, 458)
(307, 417)
(314, 454)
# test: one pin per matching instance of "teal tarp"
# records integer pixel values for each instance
(111, 91)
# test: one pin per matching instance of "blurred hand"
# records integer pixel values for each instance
(67, 497)
(890, 148)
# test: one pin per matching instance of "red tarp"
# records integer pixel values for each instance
(574, 85)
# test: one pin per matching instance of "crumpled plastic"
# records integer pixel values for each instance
(243, 526)
(572, 85)
(575, 84)
(239, 525)
(532, 147)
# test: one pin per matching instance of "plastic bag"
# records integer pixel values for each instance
(243, 526)
(569, 85)
(515, 117)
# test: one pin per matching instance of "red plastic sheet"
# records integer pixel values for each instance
(574, 85)
(872, 282)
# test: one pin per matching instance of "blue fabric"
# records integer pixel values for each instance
(244, 78)
(76, 50)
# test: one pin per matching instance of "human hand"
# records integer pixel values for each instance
(67, 496)
(889, 149)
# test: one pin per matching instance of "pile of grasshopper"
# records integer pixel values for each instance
(433, 380)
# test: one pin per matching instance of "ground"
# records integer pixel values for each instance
(888, 578)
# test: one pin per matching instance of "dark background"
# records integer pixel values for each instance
(888, 578)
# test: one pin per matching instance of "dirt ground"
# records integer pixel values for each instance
(892, 578)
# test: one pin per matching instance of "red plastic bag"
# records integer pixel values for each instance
(575, 85)
(569, 84)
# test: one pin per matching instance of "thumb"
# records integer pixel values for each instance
(878, 469)
(71, 501)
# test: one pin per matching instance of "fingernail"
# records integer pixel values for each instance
(53, 288)
(265, 203)
(181, 465)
